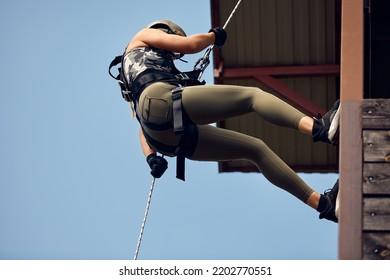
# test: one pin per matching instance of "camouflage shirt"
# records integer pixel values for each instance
(146, 58)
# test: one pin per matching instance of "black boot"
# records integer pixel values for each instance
(328, 206)
(326, 127)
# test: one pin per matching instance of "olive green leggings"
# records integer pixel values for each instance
(211, 103)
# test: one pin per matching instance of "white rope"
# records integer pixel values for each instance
(145, 217)
(229, 18)
(231, 14)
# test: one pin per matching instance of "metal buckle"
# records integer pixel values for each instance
(176, 92)
(183, 76)
(126, 95)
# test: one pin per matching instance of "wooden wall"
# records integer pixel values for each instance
(376, 179)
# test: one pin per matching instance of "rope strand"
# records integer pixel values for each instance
(231, 14)
(144, 221)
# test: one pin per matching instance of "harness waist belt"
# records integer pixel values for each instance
(149, 77)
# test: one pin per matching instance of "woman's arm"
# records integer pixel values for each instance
(146, 149)
(170, 42)
(157, 164)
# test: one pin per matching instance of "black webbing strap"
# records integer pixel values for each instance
(180, 167)
(115, 62)
(177, 112)
(126, 93)
(178, 126)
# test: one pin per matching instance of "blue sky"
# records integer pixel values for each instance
(73, 180)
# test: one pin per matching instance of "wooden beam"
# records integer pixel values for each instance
(351, 93)
(376, 179)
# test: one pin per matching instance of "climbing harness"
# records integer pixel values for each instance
(131, 92)
(144, 220)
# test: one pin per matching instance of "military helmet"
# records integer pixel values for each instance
(168, 27)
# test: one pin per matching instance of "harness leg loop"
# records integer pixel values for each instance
(178, 124)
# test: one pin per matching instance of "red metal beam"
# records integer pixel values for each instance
(291, 96)
(225, 167)
(265, 76)
(278, 71)
(216, 21)
(215, 18)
